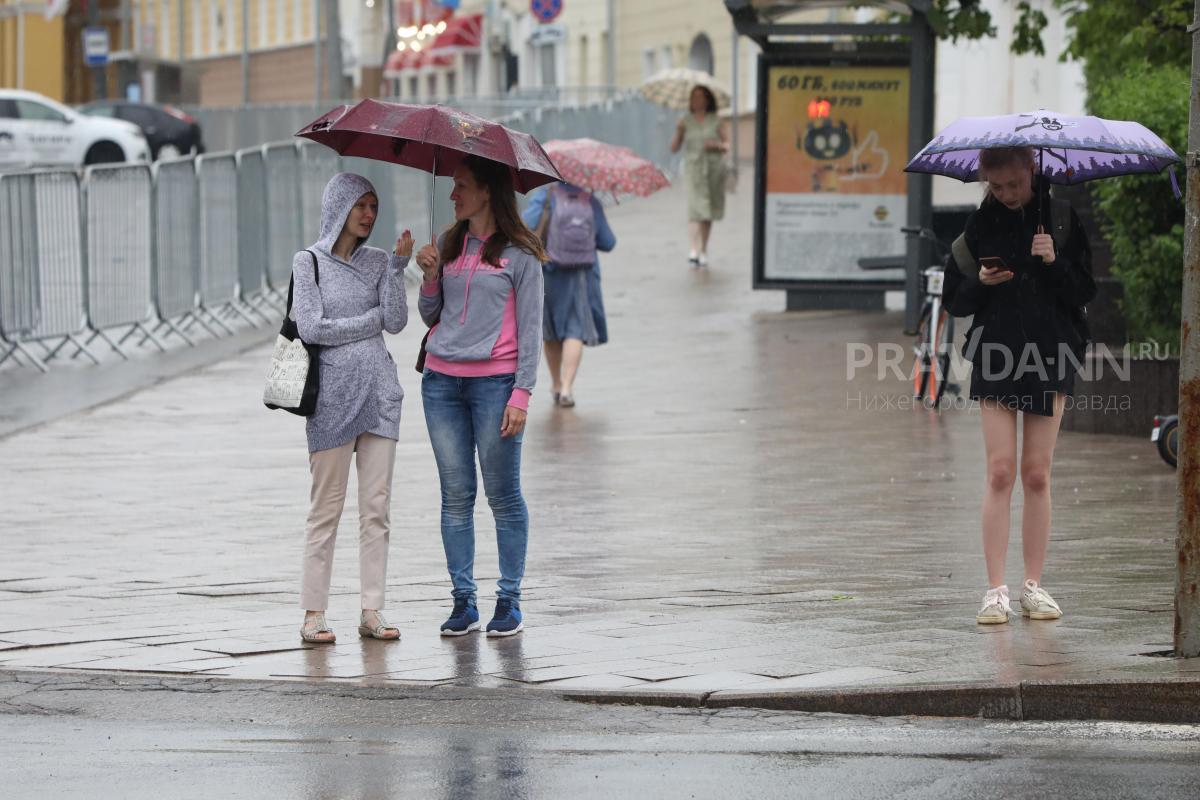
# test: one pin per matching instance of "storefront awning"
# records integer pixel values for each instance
(410, 61)
(463, 34)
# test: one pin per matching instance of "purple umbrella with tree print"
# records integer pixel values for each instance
(1071, 149)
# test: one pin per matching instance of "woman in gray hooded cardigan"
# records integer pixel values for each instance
(345, 306)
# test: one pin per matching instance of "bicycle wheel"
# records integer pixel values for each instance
(922, 363)
(945, 352)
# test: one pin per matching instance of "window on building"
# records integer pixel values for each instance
(165, 26)
(197, 26)
(281, 15)
(606, 76)
(583, 77)
(215, 25)
(549, 64)
(471, 74)
(668, 58)
(431, 86)
(649, 62)
(297, 11)
(701, 54)
(264, 22)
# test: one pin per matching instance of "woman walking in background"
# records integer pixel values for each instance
(482, 298)
(573, 226)
(346, 296)
(1025, 288)
(704, 140)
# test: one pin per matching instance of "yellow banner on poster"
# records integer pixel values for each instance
(837, 129)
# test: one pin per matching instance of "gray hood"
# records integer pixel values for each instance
(341, 193)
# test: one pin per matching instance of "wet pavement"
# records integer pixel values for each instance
(135, 736)
(725, 509)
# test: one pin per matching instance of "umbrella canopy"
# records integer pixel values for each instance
(1073, 149)
(673, 87)
(430, 138)
(600, 167)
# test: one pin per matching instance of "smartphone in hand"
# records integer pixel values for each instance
(995, 262)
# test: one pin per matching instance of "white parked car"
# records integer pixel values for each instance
(38, 131)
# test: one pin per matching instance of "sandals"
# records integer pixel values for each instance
(371, 625)
(566, 401)
(314, 626)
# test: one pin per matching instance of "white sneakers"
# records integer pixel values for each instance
(1036, 603)
(996, 607)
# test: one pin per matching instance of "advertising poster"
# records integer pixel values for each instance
(836, 145)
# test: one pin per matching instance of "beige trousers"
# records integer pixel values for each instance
(330, 473)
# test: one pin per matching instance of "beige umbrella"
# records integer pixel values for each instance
(673, 87)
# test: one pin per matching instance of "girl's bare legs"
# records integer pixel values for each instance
(705, 230)
(572, 354)
(1039, 436)
(694, 238)
(1000, 446)
(554, 357)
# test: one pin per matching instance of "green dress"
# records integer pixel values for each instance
(705, 169)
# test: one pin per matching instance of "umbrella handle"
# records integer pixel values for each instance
(433, 197)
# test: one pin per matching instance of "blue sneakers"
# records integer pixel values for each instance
(463, 619)
(507, 619)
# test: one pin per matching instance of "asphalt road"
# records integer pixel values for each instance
(101, 736)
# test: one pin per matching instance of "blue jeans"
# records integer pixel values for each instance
(464, 415)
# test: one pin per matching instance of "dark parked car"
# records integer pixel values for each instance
(169, 131)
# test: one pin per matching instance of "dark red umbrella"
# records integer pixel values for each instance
(430, 138)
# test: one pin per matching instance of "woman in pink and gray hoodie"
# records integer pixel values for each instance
(482, 298)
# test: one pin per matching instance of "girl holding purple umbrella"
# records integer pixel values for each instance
(1024, 288)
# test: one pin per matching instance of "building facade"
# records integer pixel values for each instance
(32, 48)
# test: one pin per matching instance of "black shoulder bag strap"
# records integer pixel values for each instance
(292, 282)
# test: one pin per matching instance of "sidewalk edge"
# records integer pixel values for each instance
(1160, 700)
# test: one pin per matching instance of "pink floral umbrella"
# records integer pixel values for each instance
(600, 167)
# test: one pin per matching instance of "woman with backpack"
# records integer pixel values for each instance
(482, 298)
(704, 140)
(1023, 270)
(346, 295)
(571, 223)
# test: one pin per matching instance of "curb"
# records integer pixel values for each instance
(1165, 701)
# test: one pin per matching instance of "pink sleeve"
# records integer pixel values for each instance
(430, 289)
(519, 399)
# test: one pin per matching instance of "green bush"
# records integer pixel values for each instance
(1141, 217)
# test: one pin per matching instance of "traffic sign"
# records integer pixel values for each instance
(546, 10)
(95, 46)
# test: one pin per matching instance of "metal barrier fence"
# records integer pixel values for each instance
(117, 203)
(20, 305)
(176, 250)
(317, 165)
(241, 127)
(208, 242)
(60, 256)
(284, 236)
(252, 231)
(217, 178)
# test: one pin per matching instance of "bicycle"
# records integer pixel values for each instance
(935, 328)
